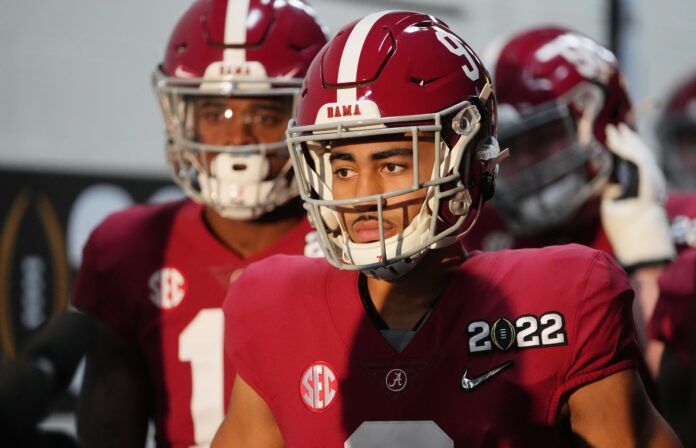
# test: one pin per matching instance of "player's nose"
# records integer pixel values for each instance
(238, 133)
(368, 184)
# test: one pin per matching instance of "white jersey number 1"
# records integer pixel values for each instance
(201, 344)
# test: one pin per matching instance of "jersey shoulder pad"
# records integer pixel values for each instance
(561, 262)
(276, 283)
(136, 231)
(556, 277)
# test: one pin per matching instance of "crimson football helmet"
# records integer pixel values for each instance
(405, 74)
(241, 49)
(557, 91)
(677, 133)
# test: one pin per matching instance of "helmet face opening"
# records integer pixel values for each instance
(535, 138)
(227, 87)
(376, 188)
(677, 133)
(226, 143)
(553, 172)
(679, 157)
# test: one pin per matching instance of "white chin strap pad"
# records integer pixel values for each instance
(407, 241)
(236, 185)
(240, 169)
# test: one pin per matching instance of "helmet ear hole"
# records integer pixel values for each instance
(465, 121)
(460, 204)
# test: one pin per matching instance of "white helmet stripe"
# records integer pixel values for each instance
(235, 30)
(348, 68)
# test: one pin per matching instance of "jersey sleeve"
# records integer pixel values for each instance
(98, 288)
(242, 330)
(602, 340)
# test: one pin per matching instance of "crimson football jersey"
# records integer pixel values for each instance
(672, 321)
(513, 334)
(157, 276)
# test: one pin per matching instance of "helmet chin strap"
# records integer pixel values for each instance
(369, 253)
(236, 189)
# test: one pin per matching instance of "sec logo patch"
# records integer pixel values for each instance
(318, 386)
(167, 288)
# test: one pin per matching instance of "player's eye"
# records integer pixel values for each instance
(393, 168)
(265, 118)
(344, 173)
(268, 119)
(213, 115)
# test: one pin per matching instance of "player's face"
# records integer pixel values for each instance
(533, 146)
(362, 169)
(243, 121)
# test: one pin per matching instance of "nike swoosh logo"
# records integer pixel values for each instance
(470, 384)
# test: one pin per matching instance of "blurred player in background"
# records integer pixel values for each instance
(579, 172)
(677, 133)
(155, 276)
(404, 339)
(675, 312)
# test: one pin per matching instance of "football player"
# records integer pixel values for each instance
(580, 173)
(400, 337)
(155, 276)
(672, 322)
(673, 325)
